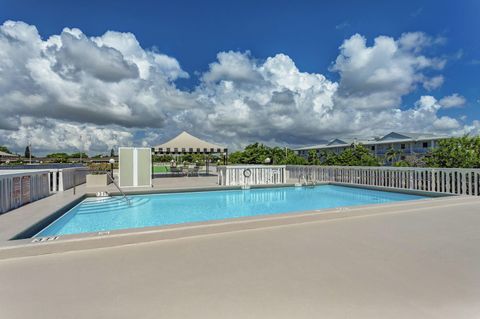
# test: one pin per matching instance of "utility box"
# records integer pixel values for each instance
(135, 167)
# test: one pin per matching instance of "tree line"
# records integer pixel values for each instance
(455, 152)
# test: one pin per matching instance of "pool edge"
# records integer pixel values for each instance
(27, 248)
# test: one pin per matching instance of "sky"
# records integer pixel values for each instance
(79, 75)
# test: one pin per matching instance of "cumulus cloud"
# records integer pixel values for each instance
(433, 83)
(453, 100)
(73, 77)
(72, 91)
(376, 77)
(106, 80)
(53, 135)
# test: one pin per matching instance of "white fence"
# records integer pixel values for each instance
(18, 188)
(460, 181)
(65, 178)
(236, 175)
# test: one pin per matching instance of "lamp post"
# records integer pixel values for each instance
(224, 158)
(111, 161)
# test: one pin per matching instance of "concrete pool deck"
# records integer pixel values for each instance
(410, 262)
(22, 218)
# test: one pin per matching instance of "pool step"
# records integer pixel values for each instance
(90, 207)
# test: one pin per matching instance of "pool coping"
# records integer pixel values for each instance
(36, 226)
(56, 244)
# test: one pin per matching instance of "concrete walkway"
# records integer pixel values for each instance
(421, 263)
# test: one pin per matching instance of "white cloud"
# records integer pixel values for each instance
(53, 135)
(377, 77)
(453, 100)
(112, 91)
(342, 25)
(433, 83)
(86, 80)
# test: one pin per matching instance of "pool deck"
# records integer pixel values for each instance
(414, 259)
(407, 261)
(20, 219)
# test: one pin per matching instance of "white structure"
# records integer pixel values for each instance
(62, 179)
(406, 143)
(20, 187)
(135, 166)
(7, 155)
(244, 175)
(185, 143)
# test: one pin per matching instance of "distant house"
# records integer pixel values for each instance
(406, 143)
(5, 155)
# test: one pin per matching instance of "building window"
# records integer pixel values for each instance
(425, 144)
(402, 146)
(373, 148)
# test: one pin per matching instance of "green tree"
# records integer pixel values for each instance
(78, 155)
(328, 158)
(402, 163)
(313, 157)
(57, 155)
(392, 155)
(27, 152)
(162, 158)
(112, 153)
(357, 155)
(462, 152)
(289, 157)
(257, 153)
(5, 149)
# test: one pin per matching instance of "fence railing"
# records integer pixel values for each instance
(460, 181)
(62, 179)
(20, 188)
(239, 175)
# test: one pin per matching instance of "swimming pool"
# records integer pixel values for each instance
(114, 213)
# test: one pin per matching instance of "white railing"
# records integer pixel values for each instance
(65, 178)
(20, 188)
(239, 175)
(460, 181)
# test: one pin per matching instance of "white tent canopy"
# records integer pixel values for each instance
(186, 143)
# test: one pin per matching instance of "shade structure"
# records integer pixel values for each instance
(185, 143)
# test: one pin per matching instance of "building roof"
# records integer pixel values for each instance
(392, 137)
(185, 142)
(7, 154)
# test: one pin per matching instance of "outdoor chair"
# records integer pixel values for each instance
(176, 171)
(193, 171)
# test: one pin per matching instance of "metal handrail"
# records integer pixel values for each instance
(118, 187)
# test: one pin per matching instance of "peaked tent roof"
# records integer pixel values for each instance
(185, 141)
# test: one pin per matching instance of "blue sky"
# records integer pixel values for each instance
(308, 32)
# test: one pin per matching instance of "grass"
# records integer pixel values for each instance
(161, 169)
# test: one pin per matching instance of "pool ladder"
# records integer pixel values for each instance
(119, 189)
(307, 181)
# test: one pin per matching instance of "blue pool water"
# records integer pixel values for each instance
(102, 214)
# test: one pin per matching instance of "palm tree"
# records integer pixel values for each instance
(392, 155)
